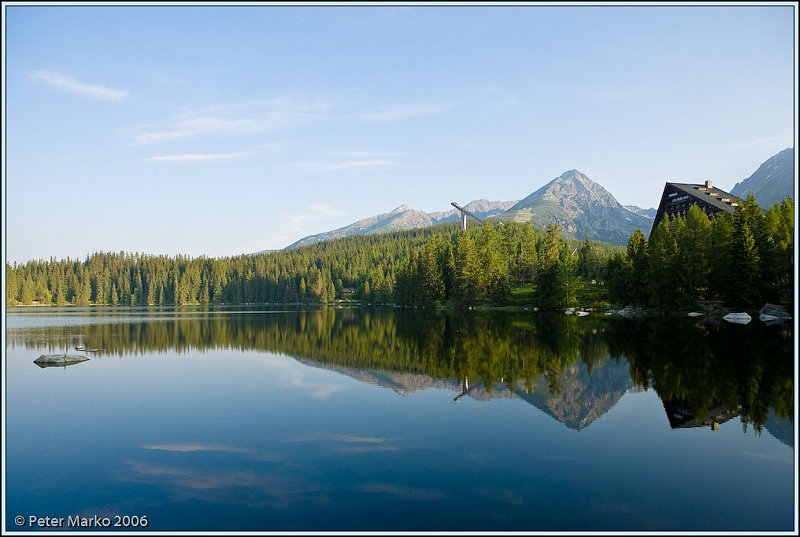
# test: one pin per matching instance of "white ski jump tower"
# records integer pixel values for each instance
(464, 214)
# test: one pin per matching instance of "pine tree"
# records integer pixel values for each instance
(693, 246)
(27, 291)
(637, 259)
(618, 277)
(366, 290)
(525, 258)
(429, 276)
(766, 247)
(667, 286)
(12, 285)
(721, 279)
(555, 283)
(780, 225)
(465, 270)
(550, 251)
(746, 263)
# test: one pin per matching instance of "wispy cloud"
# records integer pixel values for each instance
(182, 447)
(197, 126)
(294, 376)
(365, 154)
(333, 437)
(198, 157)
(190, 448)
(67, 83)
(362, 163)
(231, 119)
(345, 165)
(367, 449)
(352, 160)
(240, 484)
(402, 111)
(315, 389)
(403, 492)
(349, 443)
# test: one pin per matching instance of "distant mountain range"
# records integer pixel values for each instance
(647, 213)
(480, 208)
(404, 218)
(772, 181)
(582, 207)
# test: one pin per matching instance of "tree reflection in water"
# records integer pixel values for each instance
(575, 369)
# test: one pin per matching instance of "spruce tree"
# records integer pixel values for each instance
(693, 246)
(746, 263)
(637, 258)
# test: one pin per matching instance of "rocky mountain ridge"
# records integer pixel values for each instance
(582, 207)
(772, 181)
(647, 213)
(404, 218)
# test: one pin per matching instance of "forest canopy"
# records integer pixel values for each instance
(745, 258)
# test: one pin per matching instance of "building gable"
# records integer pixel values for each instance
(678, 197)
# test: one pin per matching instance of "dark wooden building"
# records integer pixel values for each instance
(678, 197)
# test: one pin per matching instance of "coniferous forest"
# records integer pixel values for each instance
(744, 259)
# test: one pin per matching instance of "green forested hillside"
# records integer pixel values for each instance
(420, 267)
(744, 259)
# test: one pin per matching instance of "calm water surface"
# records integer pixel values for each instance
(394, 420)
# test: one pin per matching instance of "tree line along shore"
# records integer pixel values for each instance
(743, 259)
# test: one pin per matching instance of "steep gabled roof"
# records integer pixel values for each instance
(720, 199)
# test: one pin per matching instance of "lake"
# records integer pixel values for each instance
(344, 419)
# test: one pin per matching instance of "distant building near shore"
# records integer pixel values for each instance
(678, 197)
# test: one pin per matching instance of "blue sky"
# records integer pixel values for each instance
(221, 130)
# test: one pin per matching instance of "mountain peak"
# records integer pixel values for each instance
(581, 207)
(573, 174)
(403, 208)
(571, 190)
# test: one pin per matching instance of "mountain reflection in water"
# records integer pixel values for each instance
(573, 369)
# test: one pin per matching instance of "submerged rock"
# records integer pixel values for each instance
(50, 360)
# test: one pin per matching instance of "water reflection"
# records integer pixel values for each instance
(713, 370)
(288, 421)
(573, 369)
(585, 393)
(680, 415)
